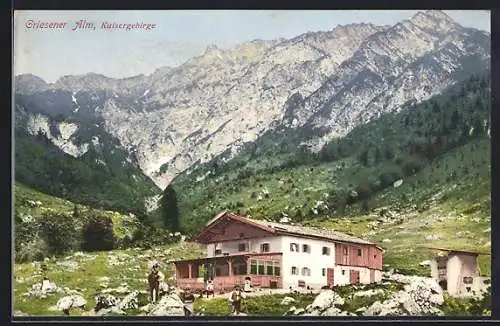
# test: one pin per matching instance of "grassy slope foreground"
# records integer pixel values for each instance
(91, 273)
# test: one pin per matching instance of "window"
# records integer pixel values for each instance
(241, 269)
(360, 252)
(294, 247)
(218, 252)
(306, 248)
(374, 256)
(294, 270)
(326, 251)
(343, 272)
(260, 268)
(253, 267)
(323, 272)
(242, 247)
(306, 271)
(264, 247)
(269, 268)
(277, 269)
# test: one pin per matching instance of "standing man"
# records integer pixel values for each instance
(154, 283)
(188, 300)
(235, 298)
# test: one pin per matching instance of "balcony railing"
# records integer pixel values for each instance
(225, 283)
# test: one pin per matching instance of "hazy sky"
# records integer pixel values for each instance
(178, 36)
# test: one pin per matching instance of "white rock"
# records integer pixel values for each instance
(69, 302)
(326, 299)
(169, 305)
(398, 183)
(287, 301)
(130, 301)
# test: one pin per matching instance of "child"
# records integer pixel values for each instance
(248, 285)
(210, 288)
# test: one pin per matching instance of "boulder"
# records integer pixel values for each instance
(111, 310)
(68, 302)
(331, 311)
(421, 296)
(105, 300)
(130, 301)
(147, 308)
(287, 301)
(299, 311)
(397, 183)
(41, 290)
(19, 313)
(169, 305)
(326, 299)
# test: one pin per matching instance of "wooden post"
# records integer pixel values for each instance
(190, 268)
(230, 265)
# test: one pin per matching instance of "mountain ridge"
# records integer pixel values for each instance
(224, 98)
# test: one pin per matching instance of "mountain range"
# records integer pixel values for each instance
(133, 136)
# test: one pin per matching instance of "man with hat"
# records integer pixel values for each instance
(154, 283)
(235, 298)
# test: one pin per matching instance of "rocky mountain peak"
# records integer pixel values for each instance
(29, 84)
(223, 98)
(435, 20)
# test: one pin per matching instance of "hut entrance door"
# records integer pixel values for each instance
(354, 277)
(329, 277)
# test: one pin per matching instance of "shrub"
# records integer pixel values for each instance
(412, 165)
(149, 237)
(365, 206)
(33, 250)
(364, 191)
(388, 178)
(453, 306)
(98, 234)
(59, 232)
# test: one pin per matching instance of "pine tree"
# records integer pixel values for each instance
(169, 208)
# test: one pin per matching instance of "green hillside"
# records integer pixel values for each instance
(440, 148)
(105, 177)
(33, 210)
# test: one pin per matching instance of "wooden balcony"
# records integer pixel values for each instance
(263, 269)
